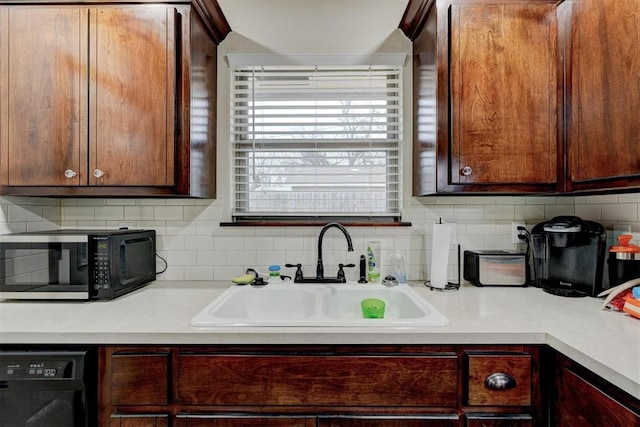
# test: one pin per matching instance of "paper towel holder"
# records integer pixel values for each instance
(450, 286)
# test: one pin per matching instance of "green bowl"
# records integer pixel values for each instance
(372, 308)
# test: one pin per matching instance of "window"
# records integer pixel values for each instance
(316, 141)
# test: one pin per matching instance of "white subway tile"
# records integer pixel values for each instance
(590, 212)
(228, 243)
(602, 199)
(499, 212)
(258, 243)
(287, 243)
(109, 212)
(168, 213)
(629, 198)
(198, 273)
(241, 258)
(558, 210)
(181, 257)
(78, 213)
(620, 212)
(469, 212)
(138, 213)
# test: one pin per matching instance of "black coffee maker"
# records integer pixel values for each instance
(568, 255)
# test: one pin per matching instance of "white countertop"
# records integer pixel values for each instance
(607, 343)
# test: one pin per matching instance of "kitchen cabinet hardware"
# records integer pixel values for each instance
(466, 171)
(97, 173)
(500, 381)
(70, 173)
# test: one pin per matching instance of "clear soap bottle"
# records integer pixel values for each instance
(399, 270)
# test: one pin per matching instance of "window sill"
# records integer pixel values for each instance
(313, 222)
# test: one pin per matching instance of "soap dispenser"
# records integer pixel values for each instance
(399, 270)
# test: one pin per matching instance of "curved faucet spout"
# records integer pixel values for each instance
(320, 267)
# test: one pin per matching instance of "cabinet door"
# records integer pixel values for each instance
(391, 421)
(604, 130)
(499, 420)
(503, 94)
(140, 379)
(139, 420)
(206, 420)
(317, 380)
(132, 95)
(43, 95)
(579, 403)
(511, 376)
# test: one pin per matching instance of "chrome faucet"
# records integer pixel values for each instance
(320, 267)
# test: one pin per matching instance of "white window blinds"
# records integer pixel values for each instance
(316, 141)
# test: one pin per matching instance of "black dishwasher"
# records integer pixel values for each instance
(41, 388)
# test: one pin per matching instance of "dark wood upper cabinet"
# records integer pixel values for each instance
(98, 100)
(603, 132)
(43, 103)
(503, 100)
(487, 97)
(528, 96)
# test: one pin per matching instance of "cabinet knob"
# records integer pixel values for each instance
(466, 171)
(500, 381)
(70, 173)
(98, 173)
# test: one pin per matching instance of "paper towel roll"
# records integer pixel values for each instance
(440, 254)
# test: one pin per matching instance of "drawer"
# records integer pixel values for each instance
(318, 380)
(499, 379)
(140, 379)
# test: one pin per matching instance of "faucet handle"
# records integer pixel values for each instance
(299, 275)
(341, 274)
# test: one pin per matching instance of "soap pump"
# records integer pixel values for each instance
(399, 270)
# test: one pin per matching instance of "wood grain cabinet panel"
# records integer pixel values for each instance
(97, 100)
(503, 93)
(43, 95)
(140, 379)
(604, 95)
(498, 420)
(487, 97)
(319, 385)
(139, 420)
(391, 421)
(132, 95)
(362, 380)
(206, 420)
(511, 375)
(582, 400)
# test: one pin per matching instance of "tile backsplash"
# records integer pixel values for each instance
(196, 247)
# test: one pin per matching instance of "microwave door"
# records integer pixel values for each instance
(43, 270)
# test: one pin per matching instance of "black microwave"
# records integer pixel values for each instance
(76, 264)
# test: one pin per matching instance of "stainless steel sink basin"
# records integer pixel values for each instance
(334, 305)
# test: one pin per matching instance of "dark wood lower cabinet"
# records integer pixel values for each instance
(318, 386)
(377, 421)
(213, 420)
(493, 420)
(582, 399)
(139, 420)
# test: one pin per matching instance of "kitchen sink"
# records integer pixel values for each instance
(331, 305)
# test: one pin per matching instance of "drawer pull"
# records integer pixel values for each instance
(500, 381)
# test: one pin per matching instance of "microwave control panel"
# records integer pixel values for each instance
(101, 268)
